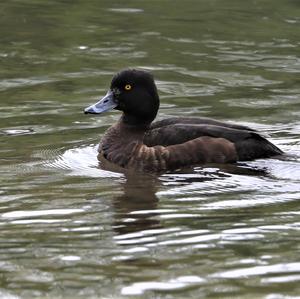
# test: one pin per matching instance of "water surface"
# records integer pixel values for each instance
(70, 229)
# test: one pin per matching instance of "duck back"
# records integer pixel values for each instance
(249, 145)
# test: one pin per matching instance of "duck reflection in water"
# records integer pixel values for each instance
(137, 208)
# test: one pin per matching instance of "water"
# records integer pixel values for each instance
(70, 229)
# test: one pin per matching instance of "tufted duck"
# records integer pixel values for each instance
(134, 142)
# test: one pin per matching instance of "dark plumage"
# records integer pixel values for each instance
(134, 142)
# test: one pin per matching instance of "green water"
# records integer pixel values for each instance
(70, 229)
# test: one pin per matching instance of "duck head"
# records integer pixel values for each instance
(133, 92)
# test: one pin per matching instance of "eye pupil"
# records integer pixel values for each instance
(128, 87)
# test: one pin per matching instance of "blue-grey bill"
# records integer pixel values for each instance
(105, 104)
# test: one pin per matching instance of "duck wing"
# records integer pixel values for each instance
(194, 152)
(196, 121)
(249, 145)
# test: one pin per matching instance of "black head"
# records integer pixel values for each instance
(132, 91)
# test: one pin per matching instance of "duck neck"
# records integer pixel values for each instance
(122, 134)
(133, 123)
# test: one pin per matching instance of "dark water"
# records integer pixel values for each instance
(72, 230)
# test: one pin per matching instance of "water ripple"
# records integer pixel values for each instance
(260, 270)
(81, 161)
(231, 79)
(182, 90)
(126, 10)
(180, 282)
(30, 214)
(21, 82)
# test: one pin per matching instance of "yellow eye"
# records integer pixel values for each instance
(128, 87)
